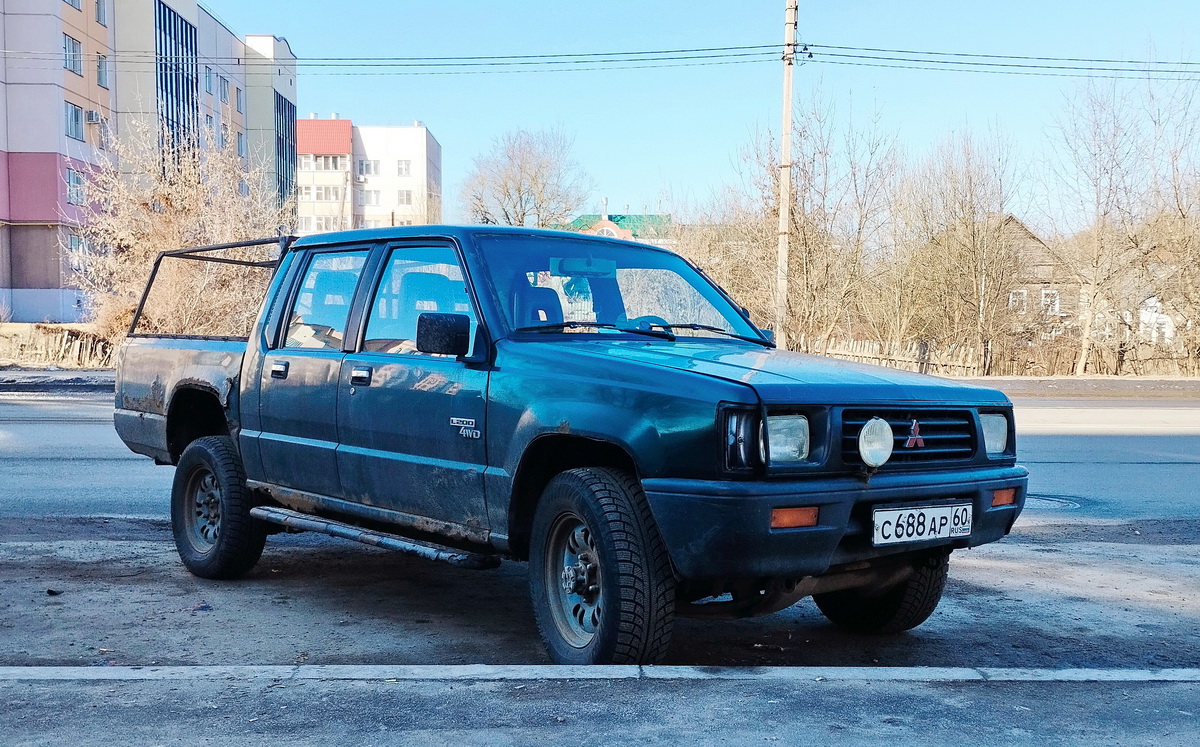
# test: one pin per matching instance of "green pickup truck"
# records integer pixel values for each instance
(596, 407)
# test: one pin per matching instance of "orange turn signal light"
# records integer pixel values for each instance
(791, 518)
(1006, 497)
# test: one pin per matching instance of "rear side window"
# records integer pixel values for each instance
(318, 316)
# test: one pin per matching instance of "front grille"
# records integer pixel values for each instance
(943, 435)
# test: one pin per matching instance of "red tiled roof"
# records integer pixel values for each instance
(323, 136)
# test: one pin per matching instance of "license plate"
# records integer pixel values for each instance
(896, 525)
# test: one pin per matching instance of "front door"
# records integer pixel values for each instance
(299, 380)
(412, 424)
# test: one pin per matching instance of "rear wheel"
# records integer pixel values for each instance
(602, 585)
(894, 609)
(210, 511)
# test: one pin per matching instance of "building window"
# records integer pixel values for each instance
(74, 116)
(76, 248)
(304, 223)
(1018, 301)
(177, 74)
(327, 193)
(102, 71)
(208, 79)
(102, 12)
(368, 197)
(242, 144)
(76, 4)
(208, 122)
(404, 197)
(74, 187)
(305, 193)
(403, 168)
(224, 90)
(305, 163)
(240, 97)
(1050, 304)
(329, 163)
(329, 223)
(372, 223)
(223, 139)
(285, 146)
(72, 55)
(368, 168)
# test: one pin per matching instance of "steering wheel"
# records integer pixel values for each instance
(647, 322)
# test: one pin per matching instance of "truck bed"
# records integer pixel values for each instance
(151, 369)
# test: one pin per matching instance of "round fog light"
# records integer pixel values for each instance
(875, 442)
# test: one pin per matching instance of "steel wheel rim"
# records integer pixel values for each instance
(203, 509)
(573, 581)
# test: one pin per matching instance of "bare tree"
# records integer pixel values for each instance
(1172, 261)
(528, 178)
(961, 198)
(1102, 173)
(838, 212)
(152, 193)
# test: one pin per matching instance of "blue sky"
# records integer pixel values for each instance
(652, 138)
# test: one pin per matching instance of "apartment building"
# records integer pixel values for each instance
(366, 177)
(56, 94)
(75, 73)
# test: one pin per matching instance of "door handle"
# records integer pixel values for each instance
(360, 376)
(279, 370)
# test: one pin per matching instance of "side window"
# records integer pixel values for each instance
(318, 316)
(415, 280)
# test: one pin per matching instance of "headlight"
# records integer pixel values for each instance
(995, 433)
(788, 438)
(875, 442)
(740, 438)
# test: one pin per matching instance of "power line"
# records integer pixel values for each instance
(449, 61)
(1131, 74)
(983, 66)
(1001, 56)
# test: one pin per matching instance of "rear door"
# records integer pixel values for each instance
(411, 424)
(299, 379)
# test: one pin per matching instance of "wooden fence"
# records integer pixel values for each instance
(67, 346)
(1054, 358)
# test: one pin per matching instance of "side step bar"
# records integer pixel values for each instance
(304, 522)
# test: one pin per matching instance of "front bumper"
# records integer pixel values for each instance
(722, 529)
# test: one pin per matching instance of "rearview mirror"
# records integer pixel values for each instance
(583, 267)
(444, 334)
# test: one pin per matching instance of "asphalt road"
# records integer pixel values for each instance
(1101, 573)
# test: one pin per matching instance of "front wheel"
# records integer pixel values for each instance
(902, 606)
(210, 511)
(602, 585)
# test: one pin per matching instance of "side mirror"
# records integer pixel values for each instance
(446, 334)
(769, 334)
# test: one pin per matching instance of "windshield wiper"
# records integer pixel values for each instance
(718, 330)
(664, 334)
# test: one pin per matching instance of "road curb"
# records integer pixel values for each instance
(493, 673)
(57, 382)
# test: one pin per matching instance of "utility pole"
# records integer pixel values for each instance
(785, 176)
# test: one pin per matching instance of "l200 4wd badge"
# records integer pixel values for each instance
(466, 427)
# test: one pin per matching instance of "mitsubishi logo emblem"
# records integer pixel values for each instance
(914, 436)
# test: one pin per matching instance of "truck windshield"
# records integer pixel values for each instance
(560, 285)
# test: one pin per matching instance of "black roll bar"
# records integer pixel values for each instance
(199, 253)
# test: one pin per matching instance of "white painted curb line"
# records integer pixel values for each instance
(485, 673)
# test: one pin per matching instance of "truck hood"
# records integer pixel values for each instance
(783, 377)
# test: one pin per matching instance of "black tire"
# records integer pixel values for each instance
(602, 585)
(210, 511)
(895, 609)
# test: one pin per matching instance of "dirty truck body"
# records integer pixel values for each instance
(596, 407)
